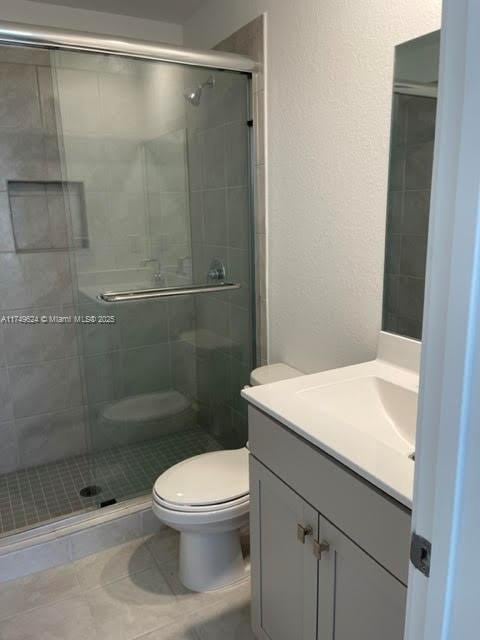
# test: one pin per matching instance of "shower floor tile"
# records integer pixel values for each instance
(39, 494)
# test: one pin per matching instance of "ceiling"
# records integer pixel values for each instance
(176, 11)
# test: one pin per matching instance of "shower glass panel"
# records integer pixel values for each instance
(44, 449)
(117, 174)
(161, 151)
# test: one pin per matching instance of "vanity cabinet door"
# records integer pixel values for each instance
(357, 598)
(284, 570)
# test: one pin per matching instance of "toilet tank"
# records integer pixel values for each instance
(273, 373)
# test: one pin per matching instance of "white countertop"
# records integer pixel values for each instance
(362, 447)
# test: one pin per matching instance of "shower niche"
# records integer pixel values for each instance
(47, 216)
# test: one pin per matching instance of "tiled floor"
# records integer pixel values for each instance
(39, 494)
(130, 592)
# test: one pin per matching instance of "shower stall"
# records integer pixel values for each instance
(126, 267)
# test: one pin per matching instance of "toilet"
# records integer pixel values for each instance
(206, 498)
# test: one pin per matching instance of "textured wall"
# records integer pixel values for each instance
(330, 69)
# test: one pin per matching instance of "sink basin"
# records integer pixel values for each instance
(373, 405)
(364, 415)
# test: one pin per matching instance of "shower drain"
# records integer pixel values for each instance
(90, 491)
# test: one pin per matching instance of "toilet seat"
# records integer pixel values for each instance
(218, 518)
(222, 506)
(205, 483)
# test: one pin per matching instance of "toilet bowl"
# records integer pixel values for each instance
(206, 498)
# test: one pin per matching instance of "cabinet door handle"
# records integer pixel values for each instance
(303, 532)
(319, 548)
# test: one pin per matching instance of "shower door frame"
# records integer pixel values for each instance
(24, 35)
(16, 33)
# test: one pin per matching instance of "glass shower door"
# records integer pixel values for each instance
(155, 162)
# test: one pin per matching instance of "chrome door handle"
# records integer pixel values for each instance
(319, 548)
(303, 532)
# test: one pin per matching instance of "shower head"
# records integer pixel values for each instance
(194, 96)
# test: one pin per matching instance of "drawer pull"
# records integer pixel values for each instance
(319, 548)
(303, 532)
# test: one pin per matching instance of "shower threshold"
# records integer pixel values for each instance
(51, 492)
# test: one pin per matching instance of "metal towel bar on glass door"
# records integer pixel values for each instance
(166, 292)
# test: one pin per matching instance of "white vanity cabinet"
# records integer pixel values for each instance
(329, 553)
(357, 598)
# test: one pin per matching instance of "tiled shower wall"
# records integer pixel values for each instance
(168, 210)
(411, 160)
(103, 150)
(130, 157)
(220, 216)
(132, 161)
(41, 398)
(249, 41)
(53, 376)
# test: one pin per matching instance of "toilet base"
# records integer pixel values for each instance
(211, 561)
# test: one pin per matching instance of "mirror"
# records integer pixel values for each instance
(410, 175)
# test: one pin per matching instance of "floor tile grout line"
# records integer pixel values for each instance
(82, 590)
(65, 598)
(176, 617)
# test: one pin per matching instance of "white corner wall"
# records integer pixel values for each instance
(329, 87)
(91, 21)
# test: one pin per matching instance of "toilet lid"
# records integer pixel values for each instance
(207, 479)
(146, 407)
